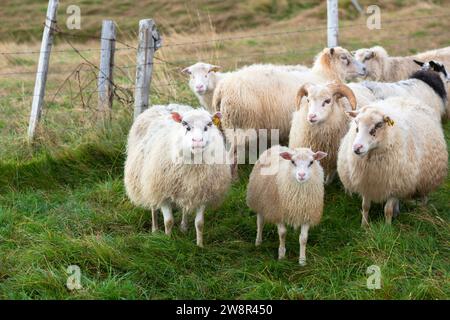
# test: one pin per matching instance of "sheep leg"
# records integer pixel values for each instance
(303, 240)
(168, 218)
(184, 222)
(330, 177)
(199, 222)
(234, 165)
(365, 212)
(424, 200)
(389, 210)
(154, 220)
(282, 235)
(396, 209)
(259, 228)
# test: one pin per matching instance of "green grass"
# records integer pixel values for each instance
(71, 209)
(62, 200)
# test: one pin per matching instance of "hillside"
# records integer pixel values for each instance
(62, 199)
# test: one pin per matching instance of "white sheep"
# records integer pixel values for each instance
(204, 78)
(427, 85)
(321, 121)
(160, 172)
(395, 149)
(286, 187)
(264, 98)
(381, 67)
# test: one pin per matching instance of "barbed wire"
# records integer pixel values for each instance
(231, 38)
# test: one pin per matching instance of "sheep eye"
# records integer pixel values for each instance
(206, 128)
(311, 163)
(326, 102)
(378, 125)
(373, 131)
(357, 130)
(188, 128)
(293, 162)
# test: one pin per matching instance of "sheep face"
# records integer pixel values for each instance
(345, 64)
(322, 99)
(436, 67)
(197, 130)
(371, 128)
(373, 61)
(201, 77)
(302, 162)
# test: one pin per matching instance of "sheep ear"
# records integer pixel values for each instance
(302, 92)
(214, 68)
(176, 117)
(319, 155)
(216, 119)
(419, 62)
(286, 155)
(370, 55)
(353, 113)
(186, 71)
(388, 120)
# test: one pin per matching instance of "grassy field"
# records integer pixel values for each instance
(62, 199)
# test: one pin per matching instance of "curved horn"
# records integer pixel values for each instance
(302, 92)
(341, 90)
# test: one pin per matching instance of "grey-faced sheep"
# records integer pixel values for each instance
(394, 149)
(427, 85)
(321, 121)
(286, 187)
(160, 172)
(260, 98)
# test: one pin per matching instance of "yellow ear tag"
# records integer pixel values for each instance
(216, 121)
(390, 122)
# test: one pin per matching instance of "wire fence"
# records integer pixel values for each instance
(81, 81)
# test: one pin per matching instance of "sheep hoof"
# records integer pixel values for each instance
(154, 230)
(258, 242)
(184, 227)
(302, 262)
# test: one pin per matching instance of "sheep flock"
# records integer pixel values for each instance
(370, 120)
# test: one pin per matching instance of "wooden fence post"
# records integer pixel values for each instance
(105, 75)
(149, 42)
(332, 23)
(41, 74)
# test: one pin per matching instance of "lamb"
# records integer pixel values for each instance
(427, 85)
(160, 172)
(321, 121)
(204, 78)
(288, 191)
(381, 67)
(268, 103)
(395, 149)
